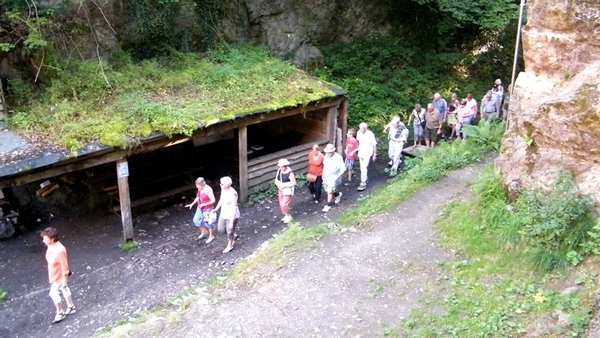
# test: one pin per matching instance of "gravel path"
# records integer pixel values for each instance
(355, 283)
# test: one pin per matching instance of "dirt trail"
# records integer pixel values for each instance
(351, 284)
(355, 283)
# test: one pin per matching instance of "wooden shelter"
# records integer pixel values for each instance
(253, 141)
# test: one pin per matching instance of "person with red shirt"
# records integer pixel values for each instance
(205, 201)
(58, 273)
(350, 152)
(315, 168)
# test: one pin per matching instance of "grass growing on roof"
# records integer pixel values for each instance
(117, 103)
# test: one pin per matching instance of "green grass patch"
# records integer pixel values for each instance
(3, 295)
(116, 104)
(129, 246)
(497, 287)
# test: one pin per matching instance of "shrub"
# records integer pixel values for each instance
(556, 223)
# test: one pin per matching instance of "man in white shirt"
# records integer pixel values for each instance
(367, 151)
(333, 169)
(397, 134)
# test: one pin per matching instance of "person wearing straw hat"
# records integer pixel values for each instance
(285, 182)
(333, 170)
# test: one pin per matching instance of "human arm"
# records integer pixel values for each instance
(65, 272)
(193, 202)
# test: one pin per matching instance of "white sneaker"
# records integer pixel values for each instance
(287, 219)
(361, 187)
(390, 162)
(338, 198)
(326, 208)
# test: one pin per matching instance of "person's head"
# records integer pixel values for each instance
(396, 120)
(316, 147)
(498, 82)
(463, 102)
(436, 96)
(454, 97)
(469, 97)
(430, 107)
(417, 107)
(351, 132)
(49, 235)
(200, 182)
(489, 94)
(363, 127)
(283, 163)
(226, 182)
(329, 150)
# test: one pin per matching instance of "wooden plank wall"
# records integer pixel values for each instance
(262, 170)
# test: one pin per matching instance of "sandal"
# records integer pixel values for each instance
(59, 318)
(70, 310)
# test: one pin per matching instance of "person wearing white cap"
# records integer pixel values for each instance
(367, 151)
(333, 170)
(230, 212)
(285, 182)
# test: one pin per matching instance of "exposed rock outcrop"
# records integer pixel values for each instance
(292, 28)
(554, 114)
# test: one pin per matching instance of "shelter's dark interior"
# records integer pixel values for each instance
(175, 168)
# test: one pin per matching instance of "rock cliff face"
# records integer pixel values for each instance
(292, 28)
(554, 114)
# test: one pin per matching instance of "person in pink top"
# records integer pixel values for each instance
(315, 168)
(205, 201)
(350, 152)
(472, 105)
(58, 273)
(464, 115)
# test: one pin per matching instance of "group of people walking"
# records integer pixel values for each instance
(428, 124)
(205, 218)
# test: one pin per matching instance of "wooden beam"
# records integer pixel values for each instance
(343, 119)
(243, 162)
(156, 197)
(332, 124)
(124, 199)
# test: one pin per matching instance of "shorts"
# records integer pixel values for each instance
(330, 189)
(431, 134)
(349, 163)
(222, 224)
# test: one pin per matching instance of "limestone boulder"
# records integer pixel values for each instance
(554, 111)
(291, 29)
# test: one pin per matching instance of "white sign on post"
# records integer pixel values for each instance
(122, 170)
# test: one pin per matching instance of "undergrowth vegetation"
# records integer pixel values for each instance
(101, 102)
(511, 275)
(387, 76)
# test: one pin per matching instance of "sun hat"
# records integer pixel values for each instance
(283, 162)
(226, 180)
(329, 148)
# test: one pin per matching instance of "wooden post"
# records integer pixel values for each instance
(332, 124)
(343, 119)
(243, 162)
(2, 106)
(124, 199)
